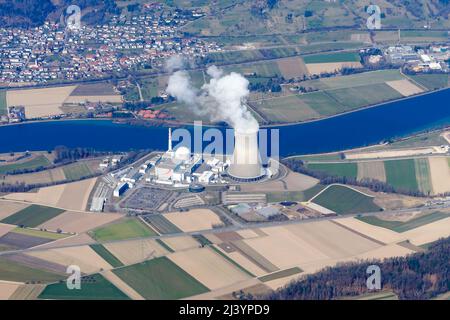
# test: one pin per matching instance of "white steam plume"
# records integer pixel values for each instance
(175, 62)
(222, 99)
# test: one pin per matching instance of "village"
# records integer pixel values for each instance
(52, 53)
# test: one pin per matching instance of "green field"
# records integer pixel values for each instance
(124, 229)
(336, 169)
(432, 81)
(3, 103)
(336, 95)
(343, 200)
(94, 287)
(423, 175)
(162, 225)
(160, 278)
(76, 171)
(401, 174)
(39, 233)
(106, 255)
(13, 271)
(32, 216)
(363, 96)
(332, 57)
(399, 226)
(298, 196)
(38, 162)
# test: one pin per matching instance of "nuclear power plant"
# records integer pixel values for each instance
(245, 163)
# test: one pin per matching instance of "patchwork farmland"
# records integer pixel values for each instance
(429, 175)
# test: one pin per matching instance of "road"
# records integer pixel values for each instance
(239, 226)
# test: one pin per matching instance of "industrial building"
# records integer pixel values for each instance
(120, 189)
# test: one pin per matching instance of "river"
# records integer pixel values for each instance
(356, 129)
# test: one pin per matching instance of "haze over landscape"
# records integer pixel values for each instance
(337, 185)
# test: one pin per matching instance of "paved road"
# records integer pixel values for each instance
(239, 226)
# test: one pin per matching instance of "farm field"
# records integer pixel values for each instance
(208, 267)
(3, 103)
(38, 162)
(194, 220)
(40, 103)
(440, 174)
(39, 233)
(93, 92)
(432, 81)
(401, 174)
(70, 196)
(134, 251)
(32, 216)
(332, 57)
(83, 256)
(123, 229)
(161, 224)
(76, 171)
(344, 200)
(45, 176)
(8, 208)
(77, 222)
(335, 95)
(160, 278)
(106, 255)
(336, 169)
(13, 271)
(94, 287)
(403, 226)
(423, 175)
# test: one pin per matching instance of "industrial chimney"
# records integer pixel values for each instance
(246, 160)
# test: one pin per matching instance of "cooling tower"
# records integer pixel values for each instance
(246, 160)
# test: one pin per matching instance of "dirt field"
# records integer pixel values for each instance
(194, 220)
(429, 232)
(83, 256)
(295, 245)
(71, 196)
(46, 176)
(77, 240)
(318, 68)
(7, 289)
(5, 228)
(392, 153)
(378, 233)
(292, 67)
(76, 195)
(46, 196)
(130, 252)
(79, 222)
(246, 263)
(40, 102)
(389, 251)
(440, 174)
(404, 87)
(208, 267)
(27, 292)
(181, 243)
(372, 170)
(8, 208)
